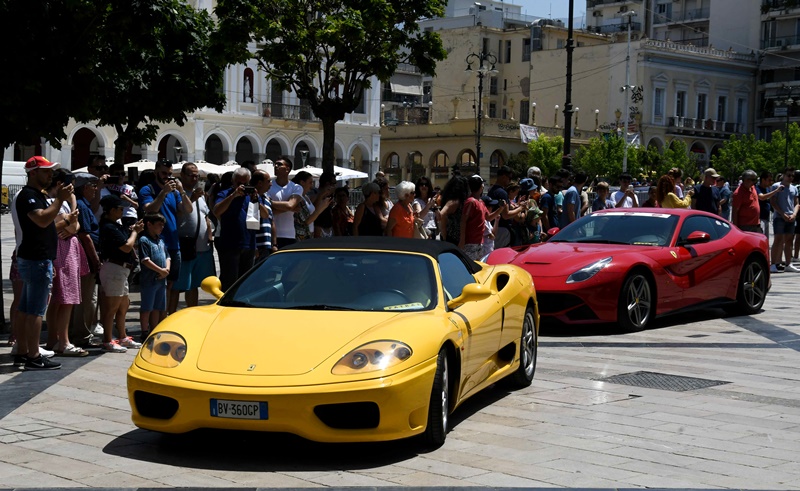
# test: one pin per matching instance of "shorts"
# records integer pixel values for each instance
(114, 279)
(195, 271)
(154, 297)
(174, 265)
(781, 226)
(37, 281)
(474, 251)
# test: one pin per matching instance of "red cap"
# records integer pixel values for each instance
(39, 162)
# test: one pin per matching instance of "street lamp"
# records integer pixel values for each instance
(788, 91)
(627, 88)
(178, 149)
(304, 156)
(430, 112)
(405, 106)
(555, 117)
(533, 116)
(618, 115)
(576, 117)
(481, 72)
(596, 119)
(383, 114)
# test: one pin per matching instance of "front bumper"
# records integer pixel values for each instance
(401, 399)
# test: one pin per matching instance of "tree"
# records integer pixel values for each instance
(326, 51)
(602, 158)
(155, 65)
(740, 153)
(545, 153)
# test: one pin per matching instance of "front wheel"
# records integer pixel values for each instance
(439, 407)
(636, 306)
(752, 289)
(528, 348)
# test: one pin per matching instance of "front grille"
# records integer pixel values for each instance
(551, 303)
(582, 313)
(349, 415)
(154, 405)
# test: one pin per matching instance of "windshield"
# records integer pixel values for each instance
(644, 229)
(337, 280)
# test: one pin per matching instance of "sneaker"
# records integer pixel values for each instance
(774, 269)
(41, 363)
(129, 343)
(114, 347)
(19, 360)
(792, 268)
(98, 329)
(46, 352)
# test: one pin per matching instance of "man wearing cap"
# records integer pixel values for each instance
(706, 194)
(498, 192)
(745, 204)
(167, 196)
(84, 315)
(98, 168)
(35, 256)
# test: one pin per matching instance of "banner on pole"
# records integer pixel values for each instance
(528, 133)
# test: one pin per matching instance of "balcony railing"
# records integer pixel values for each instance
(767, 5)
(695, 48)
(779, 42)
(680, 124)
(688, 15)
(287, 111)
(616, 27)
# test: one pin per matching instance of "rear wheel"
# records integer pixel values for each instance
(636, 306)
(528, 347)
(752, 289)
(439, 407)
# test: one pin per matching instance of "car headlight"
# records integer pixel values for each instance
(587, 272)
(377, 355)
(164, 349)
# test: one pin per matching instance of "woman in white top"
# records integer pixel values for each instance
(424, 206)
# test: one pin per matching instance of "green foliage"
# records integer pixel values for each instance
(744, 152)
(519, 163)
(603, 158)
(326, 51)
(546, 153)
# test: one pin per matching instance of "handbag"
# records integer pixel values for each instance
(420, 232)
(253, 220)
(188, 245)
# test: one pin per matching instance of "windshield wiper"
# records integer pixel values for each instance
(320, 306)
(237, 303)
(601, 241)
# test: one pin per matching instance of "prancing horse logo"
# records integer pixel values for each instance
(252, 367)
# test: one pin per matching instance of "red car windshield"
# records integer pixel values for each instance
(641, 229)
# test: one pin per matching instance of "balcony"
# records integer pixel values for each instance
(781, 42)
(590, 4)
(686, 16)
(616, 27)
(768, 5)
(287, 111)
(703, 127)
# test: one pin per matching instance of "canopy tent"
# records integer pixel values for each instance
(341, 173)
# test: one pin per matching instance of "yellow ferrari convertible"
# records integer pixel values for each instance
(341, 340)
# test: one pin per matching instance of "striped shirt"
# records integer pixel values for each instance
(264, 235)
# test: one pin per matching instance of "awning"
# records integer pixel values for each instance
(406, 89)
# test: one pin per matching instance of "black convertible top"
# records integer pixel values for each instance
(429, 247)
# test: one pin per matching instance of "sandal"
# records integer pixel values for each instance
(72, 350)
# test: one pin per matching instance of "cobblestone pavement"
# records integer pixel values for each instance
(717, 405)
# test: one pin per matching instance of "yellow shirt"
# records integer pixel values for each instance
(673, 201)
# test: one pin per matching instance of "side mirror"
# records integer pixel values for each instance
(212, 286)
(698, 237)
(471, 293)
(552, 231)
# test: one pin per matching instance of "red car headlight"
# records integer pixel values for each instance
(587, 272)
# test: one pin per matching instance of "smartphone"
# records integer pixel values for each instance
(249, 189)
(112, 180)
(68, 178)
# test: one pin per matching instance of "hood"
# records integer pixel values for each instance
(563, 259)
(243, 341)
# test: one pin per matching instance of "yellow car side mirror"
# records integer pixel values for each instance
(213, 286)
(471, 293)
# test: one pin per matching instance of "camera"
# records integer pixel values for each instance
(249, 189)
(112, 179)
(67, 179)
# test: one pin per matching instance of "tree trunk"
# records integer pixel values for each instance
(328, 139)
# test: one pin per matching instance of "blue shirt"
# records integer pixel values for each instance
(547, 203)
(602, 205)
(156, 251)
(784, 200)
(234, 233)
(572, 196)
(264, 236)
(169, 208)
(88, 221)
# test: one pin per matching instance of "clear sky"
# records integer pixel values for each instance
(557, 9)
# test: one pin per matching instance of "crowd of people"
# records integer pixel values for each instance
(81, 236)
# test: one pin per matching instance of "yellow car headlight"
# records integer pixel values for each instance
(377, 355)
(164, 349)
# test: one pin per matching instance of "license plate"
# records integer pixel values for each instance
(239, 409)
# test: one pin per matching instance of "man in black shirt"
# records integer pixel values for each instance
(706, 194)
(35, 256)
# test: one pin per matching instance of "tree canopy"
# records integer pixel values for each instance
(326, 51)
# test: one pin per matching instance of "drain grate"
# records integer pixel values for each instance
(697, 336)
(663, 381)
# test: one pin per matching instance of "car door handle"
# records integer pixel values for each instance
(731, 252)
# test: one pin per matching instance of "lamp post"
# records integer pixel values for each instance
(178, 149)
(566, 159)
(787, 91)
(617, 115)
(405, 106)
(555, 117)
(576, 117)
(304, 156)
(596, 119)
(383, 114)
(430, 112)
(481, 72)
(533, 114)
(627, 89)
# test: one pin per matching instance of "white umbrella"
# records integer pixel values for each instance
(205, 168)
(343, 173)
(267, 165)
(141, 165)
(315, 172)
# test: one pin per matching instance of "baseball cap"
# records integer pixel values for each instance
(39, 162)
(527, 185)
(710, 172)
(488, 201)
(84, 178)
(111, 201)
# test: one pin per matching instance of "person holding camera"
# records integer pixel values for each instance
(115, 184)
(786, 208)
(166, 196)
(236, 244)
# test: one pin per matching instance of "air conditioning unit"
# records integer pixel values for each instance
(597, 13)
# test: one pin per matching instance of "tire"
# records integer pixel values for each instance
(439, 406)
(752, 289)
(636, 306)
(528, 349)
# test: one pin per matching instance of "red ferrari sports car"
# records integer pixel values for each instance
(631, 266)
